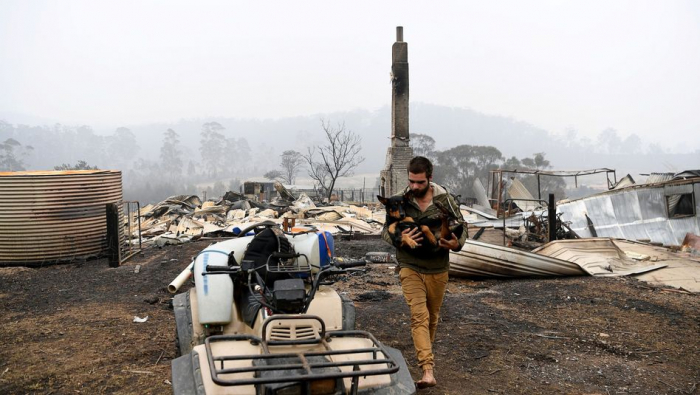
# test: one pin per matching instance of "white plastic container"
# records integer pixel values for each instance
(307, 245)
(215, 291)
(237, 245)
(310, 246)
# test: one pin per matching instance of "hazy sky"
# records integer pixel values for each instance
(630, 65)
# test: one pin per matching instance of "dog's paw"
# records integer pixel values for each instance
(429, 235)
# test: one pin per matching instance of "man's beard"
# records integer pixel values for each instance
(419, 193)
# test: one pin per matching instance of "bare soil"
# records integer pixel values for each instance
(69, 329)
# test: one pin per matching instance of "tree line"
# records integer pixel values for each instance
(172, 168)
(458, 167)
(221, 162)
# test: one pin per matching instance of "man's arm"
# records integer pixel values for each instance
(460, 218)
(386, 236)
(454, 208)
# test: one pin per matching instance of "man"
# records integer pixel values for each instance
(423, 273)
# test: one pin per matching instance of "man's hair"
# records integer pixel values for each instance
(421, 164)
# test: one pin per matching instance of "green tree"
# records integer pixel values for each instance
(547, 184)
(537, 162)
(81, 165)
(512, 163)
(212, 148)
(122, 148)
(609, 142)
(422, 145)
(632, 144)
(273, 175)
(84, 143)
(291, 161)
(12, 155)
(191, 170)
(171, 155)
(458, 167)
(239, 150)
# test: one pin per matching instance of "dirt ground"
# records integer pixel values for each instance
(69, 329)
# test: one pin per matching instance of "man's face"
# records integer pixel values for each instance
(418, 183)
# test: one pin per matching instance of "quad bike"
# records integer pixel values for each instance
(262, 319)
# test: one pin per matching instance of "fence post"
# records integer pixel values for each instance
(552, 218)
(113, 250)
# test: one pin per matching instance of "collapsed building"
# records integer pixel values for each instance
(648, 230)
(182, 218)
(663, 209)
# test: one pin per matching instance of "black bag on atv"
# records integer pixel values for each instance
(270, 244)
(270, 248)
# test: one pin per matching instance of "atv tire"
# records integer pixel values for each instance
(348, 313)
(183, 323)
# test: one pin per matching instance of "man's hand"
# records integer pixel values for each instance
(414, 234)
(451, 244)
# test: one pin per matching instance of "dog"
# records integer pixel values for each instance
(397, 222)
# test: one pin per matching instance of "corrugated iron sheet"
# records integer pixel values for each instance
(597, 256)
(639, 212)
(480, 193)
(517, 190)
(655, 178)
(478, 259)
(53, 216)
(624, 182)
(484, 212)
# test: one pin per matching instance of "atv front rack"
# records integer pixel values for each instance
(299, 367)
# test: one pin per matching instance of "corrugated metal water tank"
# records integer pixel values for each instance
(49, 216)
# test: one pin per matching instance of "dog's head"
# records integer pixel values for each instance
(394, 206)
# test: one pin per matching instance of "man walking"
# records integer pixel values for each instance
(423, 273)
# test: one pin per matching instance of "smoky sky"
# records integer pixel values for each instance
(584, 65)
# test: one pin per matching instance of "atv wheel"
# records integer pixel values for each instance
(183, 323)
(348, 313)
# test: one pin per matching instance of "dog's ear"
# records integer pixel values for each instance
(382, 199)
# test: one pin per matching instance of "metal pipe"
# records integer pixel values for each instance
(498, 198)
(488, 185)
(138, 215)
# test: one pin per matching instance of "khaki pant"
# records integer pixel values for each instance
(423, 293)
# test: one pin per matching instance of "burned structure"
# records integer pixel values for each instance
(661, 210)
(394, 177)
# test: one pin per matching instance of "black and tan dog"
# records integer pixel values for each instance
(397, 222)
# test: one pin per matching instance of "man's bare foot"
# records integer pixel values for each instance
(428, 380)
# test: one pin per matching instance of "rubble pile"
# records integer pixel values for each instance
(182, 218)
